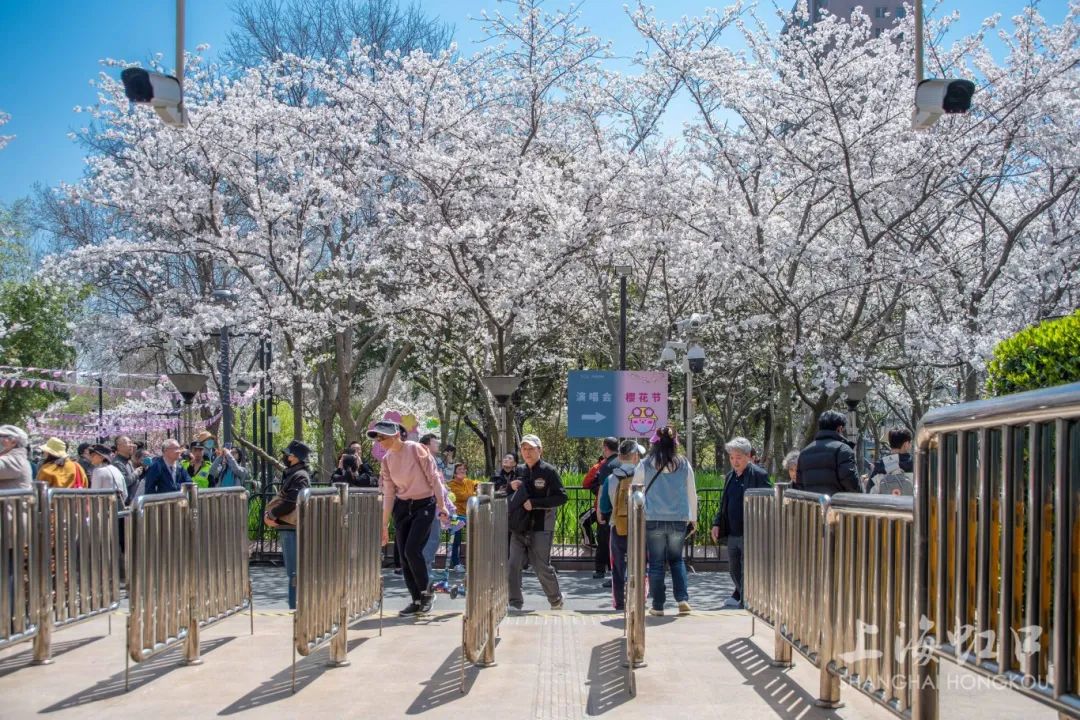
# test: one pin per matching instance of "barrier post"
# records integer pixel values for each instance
(781, 648)
(191, 643)
(634, 617)
(339, 643)
(488, 659)
(42, 535)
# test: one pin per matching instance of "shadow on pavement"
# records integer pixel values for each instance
(279, 687)
(141, 674)
(607, 681)
(444, 687)
(17, 662)
(371, 623)
(784, 695)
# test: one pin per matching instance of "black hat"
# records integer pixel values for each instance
(299, 449)
(102, 450)
(196, 444)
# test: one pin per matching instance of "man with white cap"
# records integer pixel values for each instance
(413, 493)
(14, 464)
(536, 493)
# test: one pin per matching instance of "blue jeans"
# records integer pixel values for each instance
(664, 543)
(455, 549)
(288, 551)
(432, 545)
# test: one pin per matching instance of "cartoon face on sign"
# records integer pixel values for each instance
(642, 420)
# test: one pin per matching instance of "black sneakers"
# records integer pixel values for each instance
(426, 601)
(411, 609)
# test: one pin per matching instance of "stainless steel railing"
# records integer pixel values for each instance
(187, 568)
(866, 639)
(217, 559)
(83, 539)
(634, 614)
(802, 575)
(364, 590)
(21, 558)
(831, 575)
(159, 576)
(762, 567)
(997, 545)
(485, 577)
(321, 613)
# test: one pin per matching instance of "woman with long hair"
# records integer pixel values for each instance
(670, 512)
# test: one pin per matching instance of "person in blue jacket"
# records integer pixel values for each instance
(165, 473)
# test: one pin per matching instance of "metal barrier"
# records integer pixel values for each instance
(322, 614)
(762, 570)
(81, 527)
(187, 568)
(866, 639)
(364, 590)
(803, 575)
(218, 560)
(159, 575)
(59, 556)
(831, 575)
(997, 545)
(21, 561)
(634, 613)
(485, 577)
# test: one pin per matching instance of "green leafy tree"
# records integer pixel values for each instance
(34, 316)
(1039, 356)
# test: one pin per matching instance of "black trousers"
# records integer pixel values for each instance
(412, 528)
(602, 562)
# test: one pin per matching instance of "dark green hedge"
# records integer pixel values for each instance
(1039, 356)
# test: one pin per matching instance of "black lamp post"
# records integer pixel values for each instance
(623, 271)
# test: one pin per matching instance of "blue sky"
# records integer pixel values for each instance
(50, 52)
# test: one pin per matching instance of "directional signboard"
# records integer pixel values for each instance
(616, 403)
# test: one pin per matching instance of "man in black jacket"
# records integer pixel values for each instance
(728, 522)
(827, 465)
(537, 492)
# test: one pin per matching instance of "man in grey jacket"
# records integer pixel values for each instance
(14, 463)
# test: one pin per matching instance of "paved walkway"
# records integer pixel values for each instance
(564, 664)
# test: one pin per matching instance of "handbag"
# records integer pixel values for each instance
(289, 518)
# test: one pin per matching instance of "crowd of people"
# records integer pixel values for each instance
(125, 466)
(425, 491)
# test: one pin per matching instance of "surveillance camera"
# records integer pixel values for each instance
(695, 358)
(934, 98)
(161, 92)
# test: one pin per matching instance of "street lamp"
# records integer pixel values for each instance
(854, 393)
(693, 363)
(228, 298)
(188, 385)
(502, 387)
(242, 386)
(623, 272)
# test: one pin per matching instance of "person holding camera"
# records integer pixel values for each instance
(670, 513)
(226, 470)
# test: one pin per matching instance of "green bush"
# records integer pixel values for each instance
(1039, 356)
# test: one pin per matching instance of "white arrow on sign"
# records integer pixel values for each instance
(595, 417)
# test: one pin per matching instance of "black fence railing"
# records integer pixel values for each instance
(571, 541)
